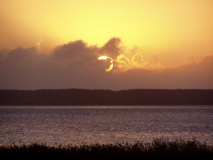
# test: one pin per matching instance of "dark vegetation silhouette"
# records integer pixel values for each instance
(106, 97)
(160, 148)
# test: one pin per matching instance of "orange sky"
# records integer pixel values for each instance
(149, 34)
(167, 33)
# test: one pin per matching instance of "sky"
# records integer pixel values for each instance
(147, 44)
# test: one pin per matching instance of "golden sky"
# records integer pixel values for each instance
(163, 33)
(177, 29)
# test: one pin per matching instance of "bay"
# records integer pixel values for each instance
(77, 125)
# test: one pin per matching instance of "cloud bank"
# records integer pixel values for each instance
(76, 65)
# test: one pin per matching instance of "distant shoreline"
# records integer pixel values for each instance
(83, 97)
(103, 107)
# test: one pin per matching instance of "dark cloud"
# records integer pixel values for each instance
(76, 52)
(191, 76)
(21, 54)
(72, 65)
(3, 53)
(76, 65)
(111, 48)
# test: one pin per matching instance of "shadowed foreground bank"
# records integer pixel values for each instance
(159, 149)
(107, 97)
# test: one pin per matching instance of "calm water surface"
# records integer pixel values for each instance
(86, 125)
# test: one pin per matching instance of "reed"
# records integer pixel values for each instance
(160, 148)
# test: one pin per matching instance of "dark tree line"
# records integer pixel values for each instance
(106, 97)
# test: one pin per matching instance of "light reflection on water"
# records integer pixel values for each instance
(103, 124)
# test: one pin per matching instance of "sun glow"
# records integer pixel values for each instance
(103, 58)
(123, 63)
(111, 62)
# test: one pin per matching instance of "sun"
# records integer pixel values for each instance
(103, 58)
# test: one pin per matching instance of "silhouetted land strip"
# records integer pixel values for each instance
(106, 97)
(159, 149)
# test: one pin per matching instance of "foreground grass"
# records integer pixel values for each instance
(160, 148)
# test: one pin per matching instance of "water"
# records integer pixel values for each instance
(89, 125)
